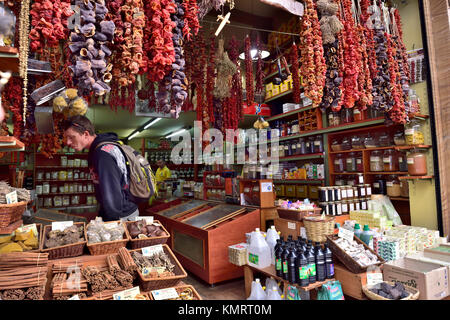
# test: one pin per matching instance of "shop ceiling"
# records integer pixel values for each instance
(249, 13)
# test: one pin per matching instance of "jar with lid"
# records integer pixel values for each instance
(390, 162)
(324, 207)
(40, 175)
(385, 140)
(346, 143)
(393, 186)
(295, 127)
(339, 181)
(343, 191)
(413, 101)
(301, 146)
(311, 140)
(350, 194)
(359, 162)
(363, 204)
(46, 188)
(368, 190)
(336, 145)
(334, 119)
(376, 161)
(399, 138)
(402, 162)
(294, 151)
(362, 190)
(318, 144)
(357, 142)
(339, 163)
(287, 149)
(370, 141)
(417, 163)
(404, 188)
(323, 194)
(351, 205)
(351, 162)
(414, 133)
(330, 192)
(338, 208)
(355, 193)
(347, 115)
(281, 150)
(345, 207)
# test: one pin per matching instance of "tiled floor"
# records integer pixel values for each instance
(228, 290)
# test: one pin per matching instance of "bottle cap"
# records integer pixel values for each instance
(366, 228)
(357, 226)
(257, 229)
(257, 280)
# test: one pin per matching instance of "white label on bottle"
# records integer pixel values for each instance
(389, 184)
(349, 161)
(336, 162)
(357, 206)
(400, 160)
(346, 234)
(128, 294)
(352, 207)
(344, 193)
(369, 191)
(363, 205)
(291, 225)
(374, 159)
(349, 193)
(307, 145)
(386, 160)
(299, 145)
(345, 207)
(152, 250)
(409, 132)
(294, 147)
(363, 192)
(410, 160)
(339, 209)
(61, 225)
(165, 294)
(358, 161)
(317, 143)
(374, 278)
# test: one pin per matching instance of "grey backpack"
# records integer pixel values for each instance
(142, 179)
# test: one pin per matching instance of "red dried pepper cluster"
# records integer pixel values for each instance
(191, 23)
(259, 86)
(368, 33)
(313, 67)
(295, 73)
(364, 77)
(49, 22)
(12, 99)
(52, 143)
(158, 44)
(248, 71)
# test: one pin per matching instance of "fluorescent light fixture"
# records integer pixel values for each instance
(253, 54)
(175, 133)
(151, 123)
(134, 135)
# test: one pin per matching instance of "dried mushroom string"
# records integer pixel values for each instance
(24, 25)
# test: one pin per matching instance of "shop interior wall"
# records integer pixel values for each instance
(422, 192)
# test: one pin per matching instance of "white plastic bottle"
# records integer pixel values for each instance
(258, 252)
(257, 291)
(271, 239)
(272, 283)
(273, 295)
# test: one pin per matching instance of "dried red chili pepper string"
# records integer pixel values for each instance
(248, 72)
(191, 23)
(210, 76)
(295, 73)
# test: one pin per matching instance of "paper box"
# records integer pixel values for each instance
(429, 278)
(288, 227)
(275, 90)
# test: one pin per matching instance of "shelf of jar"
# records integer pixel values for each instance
(215, 187)
(387, 172)
(290, 113)
(62, 194)
(302, 157)
(57, 180)
(419, 146)
(338, 173)
(418, 116)
(416, 177)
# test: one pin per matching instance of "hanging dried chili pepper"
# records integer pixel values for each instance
(248, 72)
(295, 73)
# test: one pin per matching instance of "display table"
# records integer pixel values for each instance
(270, 272)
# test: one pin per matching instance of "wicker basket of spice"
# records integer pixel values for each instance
(144, 235)
(49, 241)
(185, 292)
(161, 269)
(10, 213)
(107, 247)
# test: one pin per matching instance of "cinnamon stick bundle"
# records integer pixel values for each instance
(113, 264)
(127, 261)
(22, 259)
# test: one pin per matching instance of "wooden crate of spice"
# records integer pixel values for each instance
(137, 243)
(153, 283)
(65, 251)
(107, 247)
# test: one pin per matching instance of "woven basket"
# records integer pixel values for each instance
(107, 247)
(317, 229)
(348, 261)
(141, 243)
(182, 287)
(10, 213)
(149, 284)
(297, 215)
(414, 293)
(66, 251)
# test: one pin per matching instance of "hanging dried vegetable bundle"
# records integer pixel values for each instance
(210, 76)
(313, 67)
(52, 143)
(397, 105)
(225, 71)
(204, 6)
(191, 23)
(366, 22)
(364, 77)
(295, 73)
(381, 83)
(259, 86)
(12, 96)
(248, 72)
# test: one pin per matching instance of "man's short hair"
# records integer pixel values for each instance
(80, 124)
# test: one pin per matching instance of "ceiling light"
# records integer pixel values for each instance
(151, 123)
(253, 54)
(134, 135)
(175, 133)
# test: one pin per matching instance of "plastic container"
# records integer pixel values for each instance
(273, 294)
(303, 268)
(258, 252)
(271, 239)
(404, 189)
(339, 164)
(329, 265)
(367, 236)
(393, 187)
(376, 161)
(390, 162)
(357, 231)
(292, 265)
(399, 138)
(417, 163)
(257, 292)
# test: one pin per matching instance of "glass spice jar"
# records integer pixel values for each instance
(370, 141)
(393, 187)
(351, 162)
(399, 138)
(357, 142)
(359, 162)
(417, 163)
(390, 162)
(301, 146)
(385, 140)
(318, 144)
(336, 145)
(357, 115)
(346, 144)
(368, 190)
(281, 150)
(294, 149)
(339, 163)
(376, 161)
(414, 133)
(347, 115)
(339, 181)
(404, 189)
(402, 162)
(308, 143)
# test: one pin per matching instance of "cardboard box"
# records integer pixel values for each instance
(351, 283)
(429, 278)
(275, 90)
(288, 227)
(302, 191)
(284, 86)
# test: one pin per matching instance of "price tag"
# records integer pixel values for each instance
(266, 187)
(11, 197)
(164, 294)
(152, 250)
(75, 297)
(61, 225)
(374, 278)
(148, 220)
(27, 228)
(346, 234)
(291, 225)
(128, 294)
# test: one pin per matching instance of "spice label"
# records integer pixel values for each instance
(75, 297)
(386, 160)
(389, 184)
(11, 197)
(291, 225)
(253, 258)
(148, 220)
(374, 278)
(266, 187)
(152, 250)
(410, 160)
(165, 294)
(346, 234)
(61, 225)
(128, 294)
